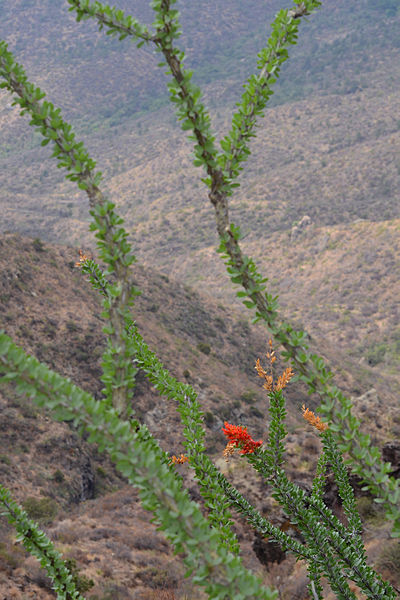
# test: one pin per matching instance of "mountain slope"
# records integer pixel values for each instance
(328, 148)
(48, 308)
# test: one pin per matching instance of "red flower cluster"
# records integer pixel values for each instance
(238, 436)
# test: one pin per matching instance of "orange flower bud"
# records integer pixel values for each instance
(313, 419)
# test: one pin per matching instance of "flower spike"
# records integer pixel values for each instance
(313, 419)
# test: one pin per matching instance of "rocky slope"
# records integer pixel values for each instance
(75, 493)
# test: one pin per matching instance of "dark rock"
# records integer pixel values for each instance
(87, 479)
(267, 552)
(84, 487)
(391, 453)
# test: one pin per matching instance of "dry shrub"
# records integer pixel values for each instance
(43, 510)
(140, 559)
(124, 553)
(12, 556)
(298, 589)
(366, 507)
(79, 556)
(103, 532)
(388, 562)
(312, 444)
(107, 570)
(162, 595)
(150, 541)
(113, 592)
(159, 578)
(66, 532)
(13, 593)
(120, 551)
(39, 576)
(118, 501)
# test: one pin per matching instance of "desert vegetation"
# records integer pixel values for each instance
(332, 548)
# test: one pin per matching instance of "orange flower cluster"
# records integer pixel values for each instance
(313, 419)
(82, 258)
(283, 379)
(239, 438)
(179, 459)
(229, 450)
(269, 380)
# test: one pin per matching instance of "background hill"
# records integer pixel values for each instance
(328, 146)
(94, 518)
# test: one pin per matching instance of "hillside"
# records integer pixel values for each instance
(75, 493)
(319, 209)
(339, 283)
(328, 147)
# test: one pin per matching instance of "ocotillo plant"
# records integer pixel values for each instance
(208, 545)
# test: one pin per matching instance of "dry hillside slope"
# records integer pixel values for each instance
(75, 493)
(328, 147)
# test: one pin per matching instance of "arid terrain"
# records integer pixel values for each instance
(85, 506)
(318, 207)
